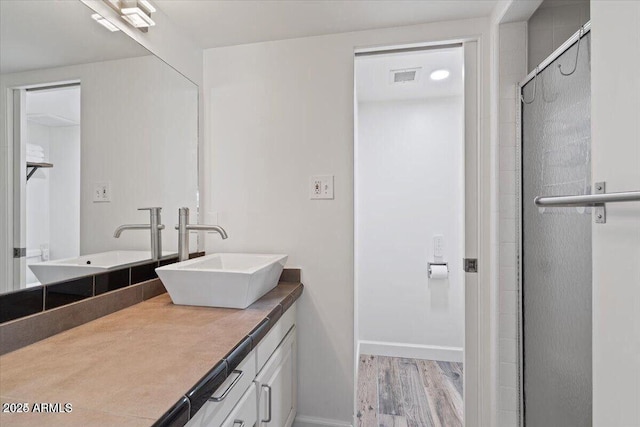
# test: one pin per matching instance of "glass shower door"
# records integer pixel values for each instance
(556, 243)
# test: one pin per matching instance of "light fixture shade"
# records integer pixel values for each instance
(146, 5)
(136, 17)
(104, 22)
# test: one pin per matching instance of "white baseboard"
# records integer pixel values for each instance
(412, 351)
(304, 421)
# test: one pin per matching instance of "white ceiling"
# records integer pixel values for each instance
(47, 34)
(54, 33)
(55, 107)
(215, 23)
(373, 82)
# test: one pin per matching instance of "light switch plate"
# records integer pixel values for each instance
(101, 192)
(321, 187)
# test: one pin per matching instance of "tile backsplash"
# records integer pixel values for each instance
(30, 301)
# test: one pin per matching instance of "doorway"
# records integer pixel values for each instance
(415, 215)
(46, 165)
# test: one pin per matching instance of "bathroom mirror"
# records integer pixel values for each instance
(93, 127)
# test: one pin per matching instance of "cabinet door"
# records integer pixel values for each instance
(244, 414)
(277, 386)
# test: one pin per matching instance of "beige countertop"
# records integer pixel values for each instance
(130, 367)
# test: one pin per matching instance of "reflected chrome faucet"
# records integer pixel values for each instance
(184, 227)
(154, 225)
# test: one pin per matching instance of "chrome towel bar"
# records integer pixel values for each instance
(588, 200)
(597, 200)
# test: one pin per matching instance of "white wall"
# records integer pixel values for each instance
(147, 150)
(551, 25)
(37, 202)
(276, 113)
(37, 194)
(140, 133)
(409, 173)
(615, 148)
(64, 191)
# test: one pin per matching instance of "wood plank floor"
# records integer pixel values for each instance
(399, 392)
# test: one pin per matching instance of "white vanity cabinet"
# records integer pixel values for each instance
(276, 385)
(261, 391)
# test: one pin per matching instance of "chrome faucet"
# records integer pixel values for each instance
(154, 225)
(184, 227)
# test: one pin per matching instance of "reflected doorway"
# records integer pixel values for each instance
(47, 157)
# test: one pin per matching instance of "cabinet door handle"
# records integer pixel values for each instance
(220, 398)
(238, 423)
(268, 388)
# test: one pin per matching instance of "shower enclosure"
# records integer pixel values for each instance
(555, 262)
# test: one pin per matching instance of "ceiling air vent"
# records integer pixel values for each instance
(407, 75)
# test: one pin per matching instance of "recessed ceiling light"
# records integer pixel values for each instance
(104, 22)
(439, 74)
(136, 17)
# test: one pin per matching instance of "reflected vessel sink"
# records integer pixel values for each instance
(222, 280)
(70, 268)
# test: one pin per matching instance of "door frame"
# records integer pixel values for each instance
(475, 239)
(12, 97)
(19, 189)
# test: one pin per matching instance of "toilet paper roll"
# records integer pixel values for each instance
(439, 272)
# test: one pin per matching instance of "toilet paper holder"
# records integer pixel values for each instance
(430, 264)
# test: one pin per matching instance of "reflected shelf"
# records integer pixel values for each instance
(35, 166)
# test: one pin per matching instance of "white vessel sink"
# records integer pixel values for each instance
(222, 280)
(70, 268)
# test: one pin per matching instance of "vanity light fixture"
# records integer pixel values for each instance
(137, 17)
(104, 22)
(137, 13)
(439, 74)
(147, 6)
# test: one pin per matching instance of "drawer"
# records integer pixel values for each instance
(274, 337)
(245, 414)
(213, 413)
